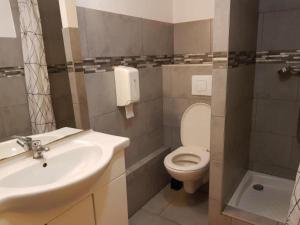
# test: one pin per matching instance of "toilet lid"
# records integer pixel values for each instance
(188, 159)
(195, 125)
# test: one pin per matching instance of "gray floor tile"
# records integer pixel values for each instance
(188, 209)
(161, 201)
(174, 208)
(145, 218)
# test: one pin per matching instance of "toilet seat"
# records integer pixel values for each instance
(190, 163)
(188, 159)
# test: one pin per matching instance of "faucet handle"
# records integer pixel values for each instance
(24, 139)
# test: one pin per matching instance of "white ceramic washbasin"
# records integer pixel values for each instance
(73, 166)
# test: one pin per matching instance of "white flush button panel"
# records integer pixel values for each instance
(202, 85)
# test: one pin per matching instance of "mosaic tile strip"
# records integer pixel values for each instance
(233, 59)
(59, 68)
(19, 71)
(287, 57)
(290, 58)
(217, 59)
(102, 64)
(236, 59)
(11, 71)
(220, 60)
(205, 58)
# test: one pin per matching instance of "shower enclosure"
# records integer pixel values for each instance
(258, 159)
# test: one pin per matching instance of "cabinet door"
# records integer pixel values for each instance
(111, 203)
(80, 214)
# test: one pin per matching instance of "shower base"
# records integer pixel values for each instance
(263, 195)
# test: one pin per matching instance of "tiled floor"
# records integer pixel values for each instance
(173, 208)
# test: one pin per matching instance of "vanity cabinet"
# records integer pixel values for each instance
(104, 204)
(81, 214)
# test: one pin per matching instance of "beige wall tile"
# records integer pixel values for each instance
(217, 138)
(276, 25)
(146, 181)
(103, 29)
(15, 119)
(13, 91)
(243, 25)
(240, 85)
(219, 89)
(192, 37)
(216, 180)
(215, 214)
(221, 26)
(151, 83)
(277, 116)
(271, 149)
(157, 37)
(81, 115)
(52, 35)
(101, 93)
(276, 5)
(268, 84)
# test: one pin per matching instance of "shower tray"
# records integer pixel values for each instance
(263, 195)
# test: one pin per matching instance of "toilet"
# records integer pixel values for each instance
(190, 162)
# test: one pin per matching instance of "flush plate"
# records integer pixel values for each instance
(202, 85)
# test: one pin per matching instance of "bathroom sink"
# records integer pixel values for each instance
(72, 167)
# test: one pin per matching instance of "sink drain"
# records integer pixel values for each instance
(258, 187)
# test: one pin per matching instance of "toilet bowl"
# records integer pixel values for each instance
(190, 162)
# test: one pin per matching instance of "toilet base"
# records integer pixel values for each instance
(191, 187)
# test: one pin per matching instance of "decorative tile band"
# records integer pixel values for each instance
(19, 71)
(59, 68)
(236, 59)
(11, 71)
(290, 58)
(217, 59)
(102, 64)
(287, 57)
(220, 60)
(233, 59)
(204, 58)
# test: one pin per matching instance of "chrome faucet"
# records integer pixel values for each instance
(35, 146)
